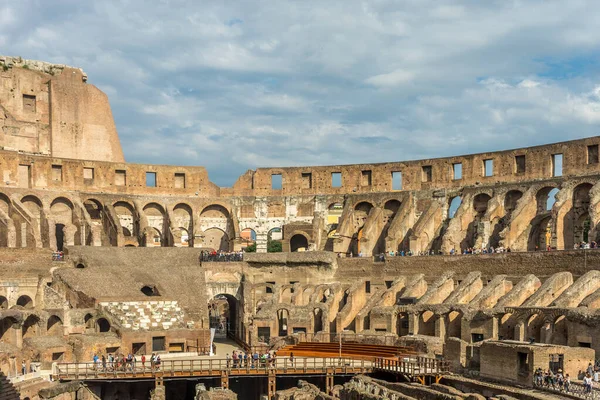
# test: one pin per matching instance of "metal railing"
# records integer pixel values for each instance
(413, 366)
(211, 367)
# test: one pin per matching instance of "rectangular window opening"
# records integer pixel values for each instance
(150, 179)
(457, 171)
(488, 167)
(57, 173)
(388, 284)
(158, 343)
(523, 362)
(396, 180)
(520, 164)
(592, 154)
(88, 174)
(276, 181)
(557, 164)
(120, 177)
(24, 176)
(336, 179)
(365, 178)
(368, 287)
(29, 104)
(427, 173)
(180, 181)
(306, 180)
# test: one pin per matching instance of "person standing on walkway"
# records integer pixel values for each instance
(23, 368)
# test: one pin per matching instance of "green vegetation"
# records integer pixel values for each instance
(274, 246)
(251, 248)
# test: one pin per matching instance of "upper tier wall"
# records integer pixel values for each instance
(37, 172)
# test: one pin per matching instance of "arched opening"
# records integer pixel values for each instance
(88, 320)
(150, 290)
(453, 205)
(214, 211)
(216, 239)
(181, 237)
(5, 206)
(581, 214)
(54, 326)
(541, 234)
(93, 208)
(506, 328)
(31, 327)
(102, 325)
(476, 230)
(454, 324)
(125, 213)
(402, 324)
(427, 323)
(298, 242)
(392, 206)
(80, 265)
(274, 237)
(510, 204)
(533, 328)
(559, 331)
(61, 212)
(282, 322)
(182, 217)
(545, 199)
(25, 302)
(248, 238)
(3, 303)
(317, 320)
(223, 315)
(8, 330)
(34, 206)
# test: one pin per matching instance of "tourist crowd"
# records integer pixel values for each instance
(241, 359)
(221, 256)
(120, 362)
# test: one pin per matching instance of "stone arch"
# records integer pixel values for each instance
(453, 205)
(88, 320)
(275, 233)
(31, 327)
(248, 237)
(154, 237)
(533, 327)
(580, 214)
(34, 237)
(216, 239)
(94, 208)
(283, 315)
(511, 199)
(230, 316)
(64, 230)
(506, 327)
(8, 330)
(298, 242)
(127, 218)
(402, 324)
(427, 321)
(541, 233)
(3, 303)
(454, 324)
(476, 228)
(25, 302)
(183, 219)
(102, 325)
(156, 218)
(545, 198)
(54, 327)
(214, 211)
(286, 294)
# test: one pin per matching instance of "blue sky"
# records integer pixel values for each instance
(238, 85)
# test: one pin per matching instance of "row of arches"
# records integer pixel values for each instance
(23, 302)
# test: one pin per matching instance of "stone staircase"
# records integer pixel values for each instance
(7, 390)
(146, 315)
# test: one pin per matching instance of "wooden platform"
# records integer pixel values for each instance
(351, 350)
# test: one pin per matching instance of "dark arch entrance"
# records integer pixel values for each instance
(298, 242)
(223, 314)
(60, 237)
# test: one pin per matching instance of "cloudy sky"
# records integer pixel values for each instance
(234, 85)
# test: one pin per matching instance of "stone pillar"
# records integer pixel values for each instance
(159, 392)
(224, 379)
(440, 326)
(546, 332)
(520, 331)
(261, 242)
(413, 324)
(272, 384)
(329, 382)
(495, 328)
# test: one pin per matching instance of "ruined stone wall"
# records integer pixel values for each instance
(49, 109)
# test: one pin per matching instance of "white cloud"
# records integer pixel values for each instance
(342, 81)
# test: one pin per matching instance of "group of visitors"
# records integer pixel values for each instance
(221, 256)
(585, 245)
(58, 256)
(241, 359)
(550, 380)
(120, 362)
